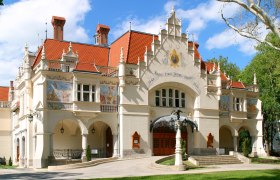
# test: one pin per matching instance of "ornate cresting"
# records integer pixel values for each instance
(177, 122)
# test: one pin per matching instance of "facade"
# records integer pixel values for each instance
(70, 95)
(5, 128)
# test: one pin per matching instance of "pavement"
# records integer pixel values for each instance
(121, 168)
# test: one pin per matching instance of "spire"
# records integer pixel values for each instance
(255, 79)
(173, 9)
(219, 66)
(43, 56)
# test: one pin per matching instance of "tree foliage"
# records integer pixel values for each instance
(266, 65)
(1, 3)
(231, 69)
(253, 18)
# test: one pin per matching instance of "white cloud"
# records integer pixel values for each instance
(199, 16)
(22, 21)
(229, 38)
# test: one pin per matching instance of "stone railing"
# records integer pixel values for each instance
(4, 104)
(67, 153)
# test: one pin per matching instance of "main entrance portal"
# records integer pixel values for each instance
(164, 141)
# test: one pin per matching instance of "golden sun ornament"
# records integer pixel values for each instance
(174, 58)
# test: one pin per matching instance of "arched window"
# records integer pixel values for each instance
(170, 98)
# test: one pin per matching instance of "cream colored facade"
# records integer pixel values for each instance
(169, 77)
(5, 130)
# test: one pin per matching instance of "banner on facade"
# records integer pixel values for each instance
(108, 94)
(58, 93)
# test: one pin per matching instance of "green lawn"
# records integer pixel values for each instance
(6, 167)
(231, 175)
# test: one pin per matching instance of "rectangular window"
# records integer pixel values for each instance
(86, 93)
(92, 93)
(237, 104)
(183, 100)
(157, 98)
(163, 94)
(67, 68)
(79, 92)
(170, 97)
(177, 100)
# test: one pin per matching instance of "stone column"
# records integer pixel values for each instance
(235, 145)
(115, 145)
(178, 150)
(84, 147)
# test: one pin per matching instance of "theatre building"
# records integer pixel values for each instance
(69, 95)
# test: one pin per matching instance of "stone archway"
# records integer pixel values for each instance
(226, 139)
(100, 140)
(67, 140)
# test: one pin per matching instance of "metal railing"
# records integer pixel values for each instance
(108, 108)
(67, 153)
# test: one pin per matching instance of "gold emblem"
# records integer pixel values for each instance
(174, 58)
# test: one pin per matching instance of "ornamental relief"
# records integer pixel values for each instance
(61, 78)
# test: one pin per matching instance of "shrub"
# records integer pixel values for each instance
(10, 162)
(88, 153)
(183, 146)
(246, 147)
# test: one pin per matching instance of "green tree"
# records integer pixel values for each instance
(246, 147)
(266, 65)
(231, 69)
(1, 3)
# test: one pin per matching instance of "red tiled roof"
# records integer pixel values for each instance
(210, 66)
(235, 84)
(4, 93)
(88, 54)
(134, 45)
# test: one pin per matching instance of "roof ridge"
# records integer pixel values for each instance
(129, 42)
(74, 42)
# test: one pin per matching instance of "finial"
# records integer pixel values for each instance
(43, 56)
(219, 66)
(153, 38)
(173, 9)
(214, 67)
(121, 55)
(138, 60)
(70, 47)
(146, 49)
(26, 49)
(129, 25)
(46, 31)
(255, 79)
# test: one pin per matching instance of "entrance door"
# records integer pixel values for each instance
(164, 141)
(109, 143)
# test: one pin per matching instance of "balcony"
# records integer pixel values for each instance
(238, 116)
(4, 104)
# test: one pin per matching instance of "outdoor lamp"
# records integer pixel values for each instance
(30, 117)
(92, 130)
(62, 129)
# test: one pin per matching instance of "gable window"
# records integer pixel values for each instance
(86, 92)
(170, 98)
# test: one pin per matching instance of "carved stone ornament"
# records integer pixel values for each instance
(59, 78)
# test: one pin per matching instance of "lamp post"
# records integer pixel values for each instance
(178, 148)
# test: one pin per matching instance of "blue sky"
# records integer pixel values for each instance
(24, 22)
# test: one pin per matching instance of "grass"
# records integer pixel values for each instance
(188, 164)
(265, 161)
(6, 167)
(247, 175)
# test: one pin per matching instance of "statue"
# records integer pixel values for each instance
(210, 139)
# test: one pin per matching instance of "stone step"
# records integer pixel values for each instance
(216, 160)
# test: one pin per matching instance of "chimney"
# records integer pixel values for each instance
(58, 23)
(101, 36)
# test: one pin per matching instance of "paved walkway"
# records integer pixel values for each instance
(133, 167)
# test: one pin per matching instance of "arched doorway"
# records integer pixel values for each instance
(226, 139)
(244, 133)
(100, 140)
(17, 155)
(164, 140)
